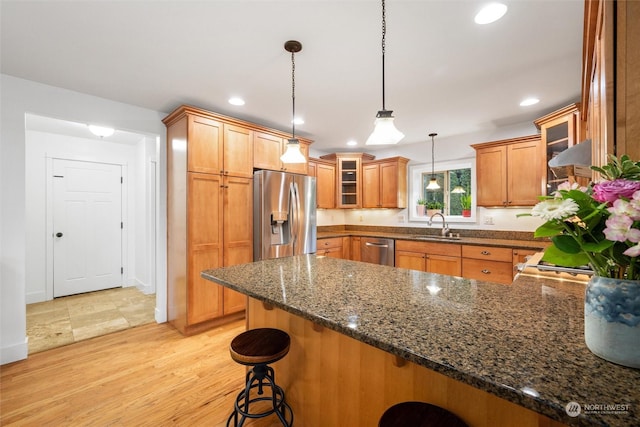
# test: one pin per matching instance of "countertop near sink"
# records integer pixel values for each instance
(502, 240)
(523, 343)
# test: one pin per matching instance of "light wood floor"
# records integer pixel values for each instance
(146, 376)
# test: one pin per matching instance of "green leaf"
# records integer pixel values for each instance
(597, 247)
(555, 256)
(548, 229)
(566, 244)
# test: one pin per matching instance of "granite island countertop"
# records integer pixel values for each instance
(521, 342)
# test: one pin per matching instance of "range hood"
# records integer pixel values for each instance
(577, 158)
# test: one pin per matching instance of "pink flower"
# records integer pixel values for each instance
(609, 191)
(630, 209)
(618, 226)
(566, 186)
(633, 251)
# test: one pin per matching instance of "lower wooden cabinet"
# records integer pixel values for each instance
(441, 258)
(493, 264)
(335, 247)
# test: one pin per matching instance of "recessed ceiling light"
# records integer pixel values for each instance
(351, 143)
(236, 101)
(529, 101)
(101, 131)
(490, 13)
(298, 121)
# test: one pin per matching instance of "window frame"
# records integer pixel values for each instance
(415, 183)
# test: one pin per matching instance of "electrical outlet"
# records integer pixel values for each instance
(401, 218)
(360, 218)
(488, 220)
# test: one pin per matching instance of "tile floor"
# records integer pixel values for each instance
(78, 317)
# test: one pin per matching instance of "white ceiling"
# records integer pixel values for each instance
(444, 73)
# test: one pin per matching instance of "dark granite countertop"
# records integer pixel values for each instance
(464, 240)
(523, 342)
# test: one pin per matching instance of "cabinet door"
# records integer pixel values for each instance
(390, 194)
(524, 171)
(204, 242)
(326, 186)
(520, 256)
(267, 150)
(411, 260)
(204, 151)
(490, 271)
(371, 186)
(491, 172)
(238, 151)
(348, 186)
(238, 233)
(356, 250)
(312, 169)
(443, 264)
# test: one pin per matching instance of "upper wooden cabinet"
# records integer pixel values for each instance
(325, 173)
(267, 149)
(384, 183)
(218, 148)
(510, 172)
(559, 131)
(348, 177)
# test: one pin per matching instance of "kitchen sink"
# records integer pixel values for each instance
(435, 237)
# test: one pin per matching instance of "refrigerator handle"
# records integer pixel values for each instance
(297, 208)
(293, 194)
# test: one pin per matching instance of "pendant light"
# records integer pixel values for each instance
(433, 182)
(458, 189)
(293, 153)
(384, 131)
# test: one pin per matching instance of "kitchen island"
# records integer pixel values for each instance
(366, 336)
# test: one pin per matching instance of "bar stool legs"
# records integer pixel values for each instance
(258, 348)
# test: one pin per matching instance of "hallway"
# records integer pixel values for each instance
(75, 318)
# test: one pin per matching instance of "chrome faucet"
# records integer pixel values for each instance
(445, 229)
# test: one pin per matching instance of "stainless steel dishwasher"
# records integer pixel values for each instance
(377, 250)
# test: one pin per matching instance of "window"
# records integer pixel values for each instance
(456, 181)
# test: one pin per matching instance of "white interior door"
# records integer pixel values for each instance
(87, 227)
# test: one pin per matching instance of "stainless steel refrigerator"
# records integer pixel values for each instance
(284, 220)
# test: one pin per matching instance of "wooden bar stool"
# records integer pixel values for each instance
(258, 348)
(419, 414)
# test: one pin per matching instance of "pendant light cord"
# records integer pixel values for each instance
(384, 34)
(293, 95)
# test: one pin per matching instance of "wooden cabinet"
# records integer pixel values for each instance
(559, 131)
(441, 258)
(348, 178)
(510, 172)
(335, 247)
(384, 183)
(267, 149)
(209, 176)
(520, 256)
(218, 148)
(356, 250)
(325, 173)
(492, 264)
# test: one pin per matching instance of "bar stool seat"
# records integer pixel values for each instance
(258, 348)
(419, 414)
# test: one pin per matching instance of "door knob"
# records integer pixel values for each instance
(58, 234)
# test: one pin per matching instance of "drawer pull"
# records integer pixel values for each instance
(485, 253)
(485, 271)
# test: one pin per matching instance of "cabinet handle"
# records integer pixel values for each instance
(485, 271)
(485, 253)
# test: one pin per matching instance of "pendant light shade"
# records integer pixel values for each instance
(293, 154)
(458, 190)
(384, 131)
(433, 182)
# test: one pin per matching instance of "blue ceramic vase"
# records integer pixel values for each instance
(612, 320)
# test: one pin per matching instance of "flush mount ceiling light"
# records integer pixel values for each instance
(101, 131)
(236, 101)
(293, 153)
(490, 13)
(433, 182)
(529, 101)
(384, 131)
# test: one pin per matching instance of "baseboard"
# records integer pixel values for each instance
(15, 352)
(34, 297)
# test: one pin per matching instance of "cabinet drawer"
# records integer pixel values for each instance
(451, 249)
(490, 271)
(488, 253)
(331, 242)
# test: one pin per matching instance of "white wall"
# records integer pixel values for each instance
(19, 97)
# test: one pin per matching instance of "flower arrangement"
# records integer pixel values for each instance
(597, 225)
